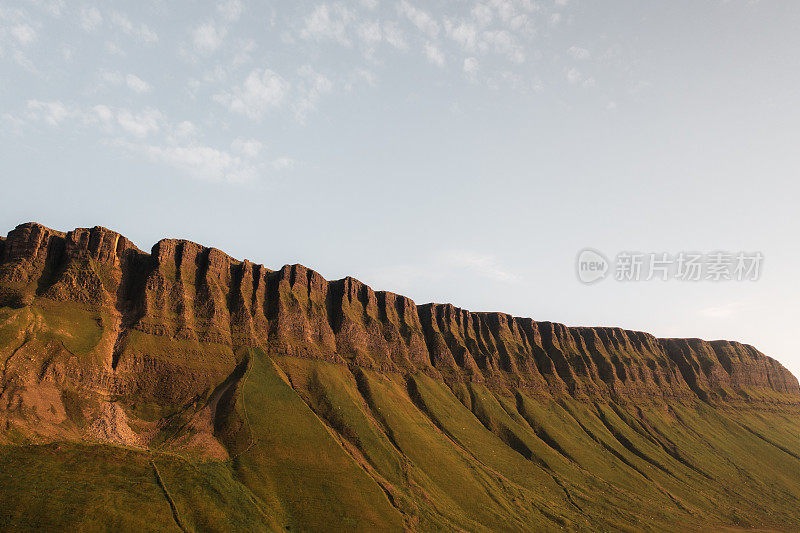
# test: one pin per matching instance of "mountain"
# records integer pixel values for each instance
(183, 389)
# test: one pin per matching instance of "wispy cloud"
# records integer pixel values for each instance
(137, 84)
(90, 18)
(142, 123)
(312, 87)
(576, 77)
(148, 133)
(231, 10)
(24, 34)
(283, 163)
(463, 33)
(328, 22)
(726, 310)
(503, 42)
(52, 113)
(200, 161)
(247, 147)
(262, 91)
(207, 37)
(482, 42)
(434, 54)
(140, 31)
(578, 53)
(423, 20)
(470, 66)
(481, 264)
(444, 267)
(109, 79)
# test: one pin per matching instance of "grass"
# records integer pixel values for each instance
(79, 488)
(321, 446)
(297, 468)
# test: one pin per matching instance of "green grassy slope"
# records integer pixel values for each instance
(318, 446)
(297, 467)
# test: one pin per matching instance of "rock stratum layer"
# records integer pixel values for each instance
(286, 387)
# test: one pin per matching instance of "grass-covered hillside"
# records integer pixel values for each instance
(185, 390)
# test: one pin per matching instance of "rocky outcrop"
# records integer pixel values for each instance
(168, 325)
(716, 369)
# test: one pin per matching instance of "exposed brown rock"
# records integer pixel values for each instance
(166, 326)
(718, 369)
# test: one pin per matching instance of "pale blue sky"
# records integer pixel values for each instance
(456, 152)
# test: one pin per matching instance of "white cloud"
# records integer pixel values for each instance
(52, 113)
(554, 19)
(53, 8)
(90, 18)
(217, 74)
(137, 84)
(133, 82)
(11, 125)
(503, 42)
(283, 163)
(22, 60)
(140, 32)
(231, 10)
(207, 37)
(574, 75)
(199, 161)
(171, 144)
(370, 33)
(67, 53)
(434, 55)
(247, 147)
(471, 66)
(111, 77)
(505, 10)
(313, 86)
(113, 49)
(394, 36)
(721, 311)
(364, 75)
(104, 114)
(463, 33)
(328, 22)
(243, 53)
(484, 265)
(578, 53)
(261, 91)
(420, 18)
(184, 130)
(24, 33)
(482, 14)
(136, 123)
(140, 124)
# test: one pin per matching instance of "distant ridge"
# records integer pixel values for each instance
(188, 291)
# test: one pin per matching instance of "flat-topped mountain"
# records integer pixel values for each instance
(271, 399)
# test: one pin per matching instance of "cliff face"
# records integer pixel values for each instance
(183, 310)
(313, 404)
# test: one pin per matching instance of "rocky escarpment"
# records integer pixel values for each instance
(259, 399)
(183, 310)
